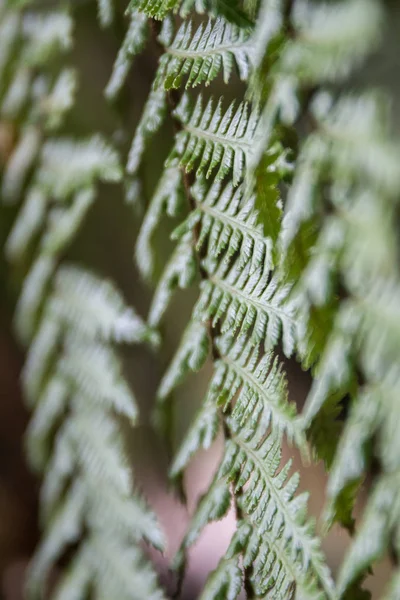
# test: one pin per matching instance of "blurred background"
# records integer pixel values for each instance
(106, 243)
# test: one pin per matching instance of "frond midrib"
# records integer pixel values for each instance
(275, 408)
(219, 139)
(204, 53)
(253, 232)
(263, 306)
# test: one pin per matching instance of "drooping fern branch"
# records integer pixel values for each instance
(70, 320)
(241, 314)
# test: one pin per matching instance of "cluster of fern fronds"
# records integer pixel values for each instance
(286, 202)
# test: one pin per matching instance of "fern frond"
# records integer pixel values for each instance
(228, 225)
(201, 434)
(333, 39)
(211, 138)
(19, 164)
(96, 308)
(152, 119)
(60, 99)
(274, 539)
(212, 506)
(381, 514)
(156, 9)
(169, 198)
(180, 272)
(244, 382)
(134, 42)
(45, 35)
(231, 10)
(105, 12)
(256, 385)
(190, 357)
(198, 58)
(269, 499)
(67, 166)
(248, 303)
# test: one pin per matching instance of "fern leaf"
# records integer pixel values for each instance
(106, 12)
(32, 215)
(332, 39)
(121, 570)
(200, 435)
(249, 384)
(133, 44)
(19, 164)
(96, 373)
(228, 226)
(198, 58)
(190, 357)
(41, 352)
(96, 308)
(157, 9)
(373, 536)
(52, 406)
(60, 99)
(394, 588)
(68, 166)
(180, 272)
(350, 461)
(75, 583)
(211, 138)
(65, 529)
(152, 119)
(213, 505)
(243, 302)
(269, 499)
(258, 385)
(46, 35)
(225, 581)
(168, 198)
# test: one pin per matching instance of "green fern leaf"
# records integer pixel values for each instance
(198, 58)
(133, 44)
(212, 139)
(169, 198)
(152, 119)
(190, 357)
(246, 302)
(157, 9)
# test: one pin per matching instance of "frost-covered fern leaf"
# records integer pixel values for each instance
(133, 44)
(197, 58)
(213, 140)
